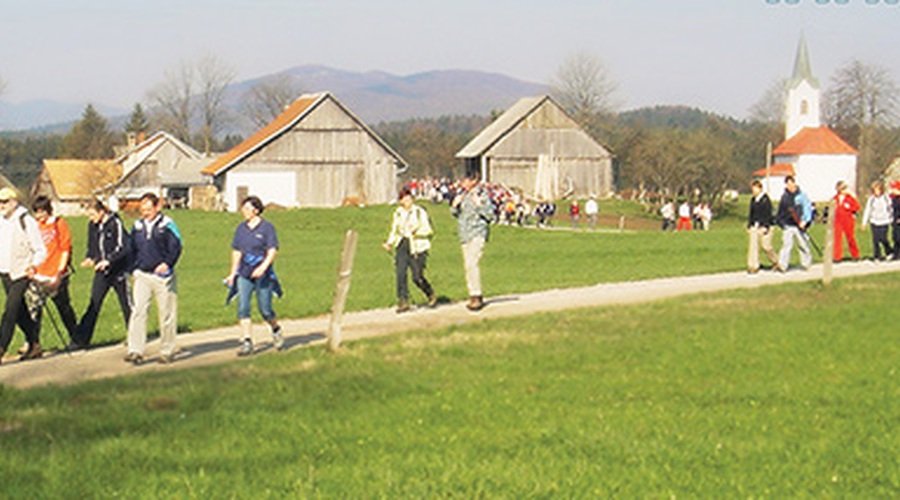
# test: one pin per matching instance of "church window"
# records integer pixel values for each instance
(804, 107)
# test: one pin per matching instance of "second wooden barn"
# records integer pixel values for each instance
(315, 154)
(536, 147)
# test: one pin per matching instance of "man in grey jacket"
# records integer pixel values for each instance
(21, 252)
(474, 211)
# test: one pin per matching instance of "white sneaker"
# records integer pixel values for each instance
(246, 348)
(277, 338)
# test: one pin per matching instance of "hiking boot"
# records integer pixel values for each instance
(246, 348)
(403, 306)
(134, 358)
(166, 359)
(2, 352)
(277, 338)
(23, 349)
(34, 352)
(476, 303)
(432, 300)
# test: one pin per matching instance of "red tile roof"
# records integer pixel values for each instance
(814, 140)
(281, 123)
(777, 170)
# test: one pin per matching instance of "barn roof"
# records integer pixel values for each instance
(814, 140)
(78, 179)
(776, 170)
(501, 126)
(136, 156)
(291, 116)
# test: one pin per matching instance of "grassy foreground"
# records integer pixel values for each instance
(780, 392)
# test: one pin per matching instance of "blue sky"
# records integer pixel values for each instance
(719, 55)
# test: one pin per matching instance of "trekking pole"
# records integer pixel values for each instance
(812, 243)
(56, 329)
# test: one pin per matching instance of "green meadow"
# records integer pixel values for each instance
(783, 391)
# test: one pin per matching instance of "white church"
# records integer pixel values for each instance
(816, 156)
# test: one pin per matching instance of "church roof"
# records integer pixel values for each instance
(802, 67)
(776, 170)
(816, 141)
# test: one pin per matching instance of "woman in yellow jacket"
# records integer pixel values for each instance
(410, 238)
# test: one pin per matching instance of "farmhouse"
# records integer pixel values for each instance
(72, 184)
(536, 147)
(165, 166)
(317, 153)
(818, 156)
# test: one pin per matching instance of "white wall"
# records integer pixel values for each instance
(818, 174)
(271, 187)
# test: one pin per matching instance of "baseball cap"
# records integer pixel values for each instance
(7, 194)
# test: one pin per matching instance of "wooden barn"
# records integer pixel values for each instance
(315, 154)
(72, 184)
(536, 147)
(165, 166)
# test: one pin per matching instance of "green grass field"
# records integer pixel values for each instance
(781, 391)
(787, 391)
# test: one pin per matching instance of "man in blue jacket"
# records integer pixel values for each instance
(795, 213)
(157, 246)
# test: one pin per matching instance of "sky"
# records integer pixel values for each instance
(718, 55)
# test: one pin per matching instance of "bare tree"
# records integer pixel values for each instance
(269, 98)
(193, 94)
(769, 109)
(172, 100)
(584, 87)
(862, 100)
(213, 78)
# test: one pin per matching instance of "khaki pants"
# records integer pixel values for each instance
(147, 286)
(760, 237)
(471, 256)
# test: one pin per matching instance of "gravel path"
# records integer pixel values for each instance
(219, 345)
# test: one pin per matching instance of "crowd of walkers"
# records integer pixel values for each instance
(796, 213)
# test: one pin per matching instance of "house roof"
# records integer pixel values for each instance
(78, 179)
(501, 126)
(814, 140)
(136, 156)
(776, 170)
(291, 116)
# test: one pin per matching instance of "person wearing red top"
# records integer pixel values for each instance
(54, 271)
(846, 207)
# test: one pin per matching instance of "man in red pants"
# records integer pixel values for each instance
(845, 221)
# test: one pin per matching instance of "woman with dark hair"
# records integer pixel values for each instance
(410, 238)
(253, 251)
(108, 252)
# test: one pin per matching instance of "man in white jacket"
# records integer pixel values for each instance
(21, 252)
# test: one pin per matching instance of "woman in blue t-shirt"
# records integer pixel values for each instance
(254, 247)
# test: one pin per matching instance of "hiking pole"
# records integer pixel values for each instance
(812, 243)
(56, 329)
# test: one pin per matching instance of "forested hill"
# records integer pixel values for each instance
(672, 117)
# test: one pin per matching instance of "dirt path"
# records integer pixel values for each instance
(219, 345)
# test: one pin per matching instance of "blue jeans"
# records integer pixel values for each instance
(264, 288)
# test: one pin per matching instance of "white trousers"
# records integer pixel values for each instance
(788, 236)
(147, 286)
(471, 257)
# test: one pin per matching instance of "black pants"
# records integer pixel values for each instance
(15, 312)
(100, 287)
(414, 263)
(880, 241)
(896, 234)
(64, 307)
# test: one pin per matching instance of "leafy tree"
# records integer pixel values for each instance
(138, 123)
(268, 98)
(90, 138)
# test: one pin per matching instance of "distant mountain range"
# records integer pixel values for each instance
(374, 96)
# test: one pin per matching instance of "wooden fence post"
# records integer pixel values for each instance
(621, 223)
(828, 258)
(342, 289)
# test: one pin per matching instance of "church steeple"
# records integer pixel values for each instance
(802, 103)
(802, 67)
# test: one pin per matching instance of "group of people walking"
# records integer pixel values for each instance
(796, 213)
(139, 266)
